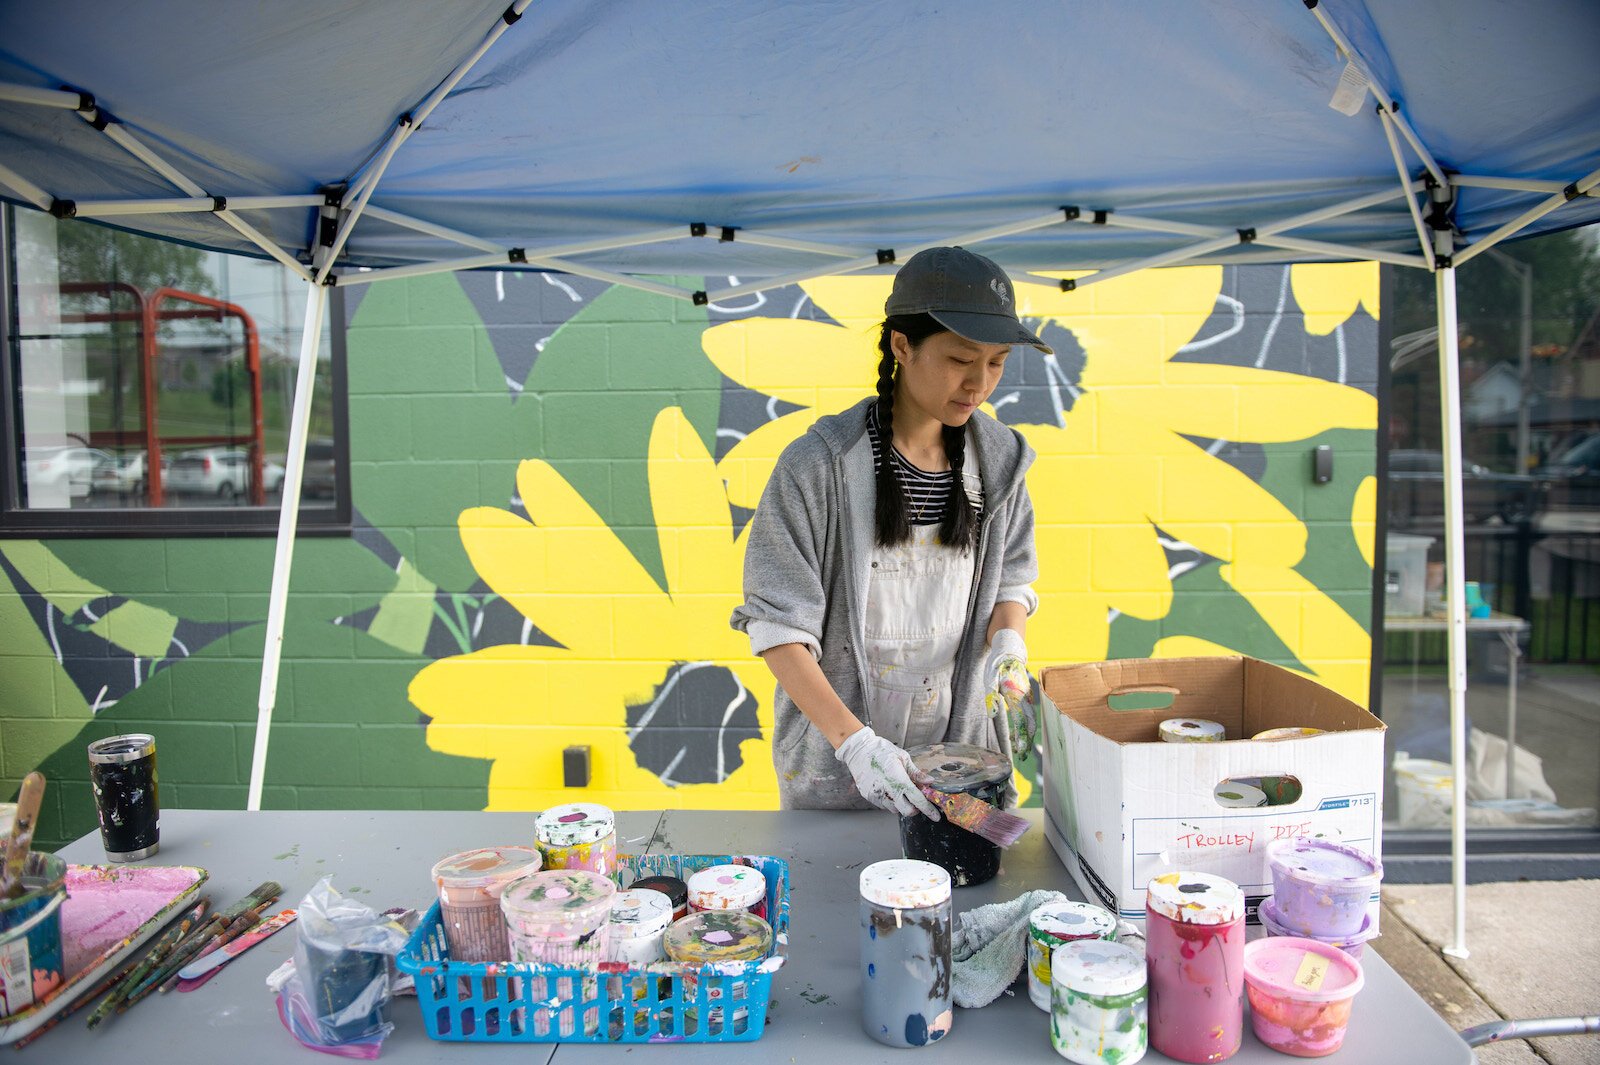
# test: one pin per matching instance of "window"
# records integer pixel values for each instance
(151, 387)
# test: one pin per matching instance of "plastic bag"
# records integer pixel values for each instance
(333, 996)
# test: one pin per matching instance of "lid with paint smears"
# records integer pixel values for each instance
(1268, 912)
(718, 935)
(1060, 922)
(727, 887)
(486, 867)
(1272, 965)
(1322, 861)
(954, 768)
(670, 886)
(1096, 967)
(640, 913)
(1191, 730)
(905, 884)
(559, 893)
(574, 824)
(1295, 732)
(1195, 898)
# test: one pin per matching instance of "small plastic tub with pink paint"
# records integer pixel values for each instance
(470, 885)
(1354, 944)
(578, 835)
(1321, 888)
(1300, 993)
(729, 887)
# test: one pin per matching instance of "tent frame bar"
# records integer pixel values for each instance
(1387, 120)
(27, 189)
(1528, 217)
(1480, 181)
(63, 99)
(181, 205)
(1118, 220)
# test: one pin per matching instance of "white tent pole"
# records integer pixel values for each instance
(1117, 220)
(188, 205)
(768, 240)
(65, 99)
(443, 266)
(419, 226)
(1481, 181)
(597, 274)
(25, 188)
(1405, 179)
(1528, 217)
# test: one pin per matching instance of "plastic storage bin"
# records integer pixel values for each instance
(488, 1002)
(1405, 574)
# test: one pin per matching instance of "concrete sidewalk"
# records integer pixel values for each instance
(1534, 952)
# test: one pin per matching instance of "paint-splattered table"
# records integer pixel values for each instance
(381, 858)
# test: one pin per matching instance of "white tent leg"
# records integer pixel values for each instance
(288, 519)
(1455, 600)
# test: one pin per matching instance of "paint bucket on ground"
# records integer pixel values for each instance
(710, 937)
(559, 916)
(1426, 792)
(1194, 941)
(30, 934)
(1354, 944)
(1056, 923)
(1321, 888)
(956, 769)
(729, 887)
(1098, 1011)
(470, 885)
(578, 835)
(1300, 994)
(1191, 730)
(906, 924)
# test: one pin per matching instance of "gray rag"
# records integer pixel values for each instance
(990, 947)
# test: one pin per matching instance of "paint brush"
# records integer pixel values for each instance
(29, 799)
(239, 926)
(976, 816)
(153, 958)
(210, 960)
(263, 895)
(83, 1000)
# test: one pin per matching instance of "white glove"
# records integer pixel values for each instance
(882, 774)
(1011, 690)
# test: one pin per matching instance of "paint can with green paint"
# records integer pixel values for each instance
(1098, 1003)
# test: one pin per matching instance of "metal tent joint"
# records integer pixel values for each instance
(517, 255)
(1247, 235)
(1571, 192)
(64, 208)
(700, 298)
(885, 256)
(727, 234)
(510, 15)
(697, 229)
(219, 203)
(85, 99)
(1100, 217)
(1072, 213)
(1067, 284)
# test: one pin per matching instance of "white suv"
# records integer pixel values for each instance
(223, 472)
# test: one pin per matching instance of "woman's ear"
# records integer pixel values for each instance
(901, 346)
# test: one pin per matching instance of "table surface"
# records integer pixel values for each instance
(383, 857)
(1495, 622)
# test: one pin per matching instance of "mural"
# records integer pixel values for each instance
(553, 479)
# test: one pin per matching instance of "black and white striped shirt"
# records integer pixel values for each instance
(927, 494)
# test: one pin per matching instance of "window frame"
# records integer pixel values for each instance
(19, 522)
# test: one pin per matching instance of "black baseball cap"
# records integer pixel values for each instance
(964, 292)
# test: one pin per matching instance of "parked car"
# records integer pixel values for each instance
(47, 468)
(120, 474)
(1574, 476)
(1416, 491)
(223, 472)
(320, 480)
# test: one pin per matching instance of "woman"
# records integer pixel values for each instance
(888, 576)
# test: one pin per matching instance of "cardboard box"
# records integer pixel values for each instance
(1124, 807)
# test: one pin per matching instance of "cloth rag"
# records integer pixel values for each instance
(990, 946)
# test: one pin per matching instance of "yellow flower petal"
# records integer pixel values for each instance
(1329, 293)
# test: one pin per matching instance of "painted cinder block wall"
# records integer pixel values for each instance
(551, 479)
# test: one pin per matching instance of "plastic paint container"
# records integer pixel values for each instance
(1194, 943)
(1321, 888)
(729, 887)
(559, 916)
(956, 769)
(672, 888)
(1191, 730)
(1232, 795)
(470, 884)
(1056, 923)
(905, 952)
(1098, 1011)
(122, 772)
(30, 934)
(708, 938)
(579, 835)
(639, 920)
(1291, 733)
(1354, 945)
(1300, 994)
(1426, 792)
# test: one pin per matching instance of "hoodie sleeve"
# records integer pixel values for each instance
(783, 590)
(1021, 566)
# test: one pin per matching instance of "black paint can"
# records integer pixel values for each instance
(122, 770)
(956, 769)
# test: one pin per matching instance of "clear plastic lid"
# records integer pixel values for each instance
(1196, 898)
(956, 768)
(487, 867)
(905, 884)
(575, 823)
(560, 897)
(718, 935)
(1096, 967)
(1061, 921)
(727, 887)
(640, 913)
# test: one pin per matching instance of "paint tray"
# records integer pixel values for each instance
(662, 1002)
(110, 912)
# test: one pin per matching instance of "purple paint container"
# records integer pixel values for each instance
(1354, 944)
(1321, 889)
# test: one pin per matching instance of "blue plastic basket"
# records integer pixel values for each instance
(663, 1002)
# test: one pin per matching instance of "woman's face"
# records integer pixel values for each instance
(947, 376)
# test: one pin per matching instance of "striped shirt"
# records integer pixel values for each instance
(927, 494)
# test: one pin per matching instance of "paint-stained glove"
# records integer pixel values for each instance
(882, 773)
(1012, 691)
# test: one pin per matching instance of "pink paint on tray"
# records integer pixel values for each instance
(107, 904)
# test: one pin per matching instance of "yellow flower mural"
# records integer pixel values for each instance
(1329, 293)
(623, 639)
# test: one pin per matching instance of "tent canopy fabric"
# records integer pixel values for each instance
(856, 125)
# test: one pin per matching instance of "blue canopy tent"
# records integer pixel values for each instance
(777, 142)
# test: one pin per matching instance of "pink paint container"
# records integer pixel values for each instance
(1353, 945)
(560, 917)
(578, 835)
(728, 887)
(1300, 994)
(1194, 944)
(470, 884)
(1320, 888)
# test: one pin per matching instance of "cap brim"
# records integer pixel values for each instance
(988, 329)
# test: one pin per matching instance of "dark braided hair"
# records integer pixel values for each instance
(958, 529)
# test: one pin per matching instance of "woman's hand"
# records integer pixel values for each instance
(1011, 691)
(882, 773)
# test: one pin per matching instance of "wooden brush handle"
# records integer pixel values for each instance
(28, 802)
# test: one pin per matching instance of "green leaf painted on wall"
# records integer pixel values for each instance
(1206, 606)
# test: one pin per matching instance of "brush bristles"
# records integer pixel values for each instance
(1002, 829)
(979, 817)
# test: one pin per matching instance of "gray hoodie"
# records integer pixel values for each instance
(806, 578)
